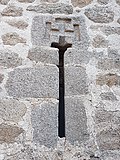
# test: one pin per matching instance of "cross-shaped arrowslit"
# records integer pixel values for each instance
(62, 46)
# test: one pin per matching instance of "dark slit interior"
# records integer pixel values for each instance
(62, 46)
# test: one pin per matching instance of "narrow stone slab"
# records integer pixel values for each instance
(39, 82)
(76, 120)
(75, 81)
(59, 8)
(44, 55)
(45, 123)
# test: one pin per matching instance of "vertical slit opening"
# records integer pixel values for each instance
(62, 46)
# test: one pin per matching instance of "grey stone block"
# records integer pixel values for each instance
(9, 133)
(13, 11)
(52, 8)
(44, 54)
(103, 2)
(75, 81)
(12, 110)
(107, 64)
(109, 79)
(45, 123)
(100, 14)
(12, 39)
(108, 30)
(108, 129)
(108, 96)
(76, 120)
(9, 59)
(41, 82)
(46, 29)
(80, 3)
(76, 56)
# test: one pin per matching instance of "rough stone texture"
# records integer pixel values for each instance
(118, 2)
(75, 81)
(9, 59)
(76, 120)
(118, 20)
(8, 133)
(12, 11)
(1, 78)
(103, 2)
(108, 96)
(4, 2)
(108, 79)
(49, 1)
(18, 24)
(100, 14)
(41, 82)
(114, 54)
(47, 29)
(80, 3)
(108, 130)
(45, 123)
(11, 110)
(26, 1)
(108, 30)
(12, 39)
(99, 42)
(76, 56)
(44, 54)
(108, 64)
(60, 8)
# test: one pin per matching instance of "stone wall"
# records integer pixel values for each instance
(29, 79)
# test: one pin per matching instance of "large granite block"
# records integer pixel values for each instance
(41, 82)
(75, 81)
(46, 29)
(76, 120)
(45, 123)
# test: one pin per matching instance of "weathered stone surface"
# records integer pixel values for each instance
(80, 3)
(60, 8)
(41, 82)
(1, 78)
(107, 64)
(12, 11)
(12, 39)
(76, 56)
(44, 54)
(114, 54)
(75, 81)
(45, 123)
(118, 20)
(100, 14)
(99, 42)
(4, 2)
(108, 79)
(76, 120)
(26, 1)
(108, 96)
(21, 24)
(103, 2)
(109, 139)
(8, 133)
(9, 59)
(118, 2)
(49, 1)
(46, 29)
(107, 136)
(11, 110)
(108, 30)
